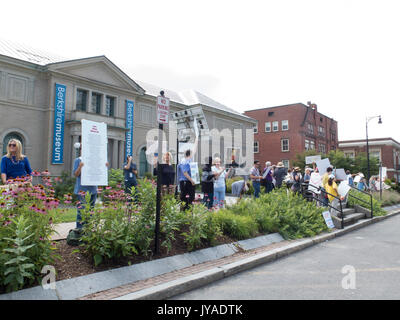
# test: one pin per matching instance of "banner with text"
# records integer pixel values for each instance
(129, 127)
(59, 118)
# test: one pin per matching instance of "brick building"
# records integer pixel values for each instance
(387, 150)
(284, 131)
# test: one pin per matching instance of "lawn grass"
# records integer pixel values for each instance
(64, 215)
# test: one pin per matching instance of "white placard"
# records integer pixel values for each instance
(94, 154)
(311, 159)
(384, 172)
(322, 165)
(340, 174)
(343, 188)
(328, 219)
(194, 172)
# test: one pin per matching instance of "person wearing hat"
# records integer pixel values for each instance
(279, 174)
(333, 193)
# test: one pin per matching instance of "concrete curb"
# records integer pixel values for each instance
(173, 288)
(85, 285)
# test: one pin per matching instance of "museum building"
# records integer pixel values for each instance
(43, 99)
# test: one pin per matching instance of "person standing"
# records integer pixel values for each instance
(130, 174)
(256, 177)
(80, 190)
(315, 185)
(267, 173)
(186, 183)
(219, 182)
(325, 179)
(167, 173)
(279, 174)
(14, 164)
(350, 180)
(207, 184)
(333, 195)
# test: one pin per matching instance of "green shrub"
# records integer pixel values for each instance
(365, 203)
(235, 226)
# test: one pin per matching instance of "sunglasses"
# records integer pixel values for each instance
(12, 145)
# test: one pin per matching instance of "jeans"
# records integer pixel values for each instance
(81, 206)
(256, 186)
(269, 186)
(219, 196)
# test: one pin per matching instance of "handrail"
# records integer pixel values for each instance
(326, 192)
(362, 200)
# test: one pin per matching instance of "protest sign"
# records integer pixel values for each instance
(343, 188)
(94, 153)
(322, 165)
(328, 219)
(311, 159)
(340, 174)
(194, 172)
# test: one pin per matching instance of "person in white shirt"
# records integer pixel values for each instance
(315, 184)
(219, 183)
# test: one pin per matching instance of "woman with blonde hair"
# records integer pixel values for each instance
(167, 173)
(14, 164)
(219, 182)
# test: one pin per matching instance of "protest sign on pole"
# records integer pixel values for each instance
(94, 153)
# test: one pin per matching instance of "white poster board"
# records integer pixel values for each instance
(194, 172)
(311, 159)
(343, 188)
(328, 219)
(322, 165)
(340, 174)
(383, 173)
(94, 154)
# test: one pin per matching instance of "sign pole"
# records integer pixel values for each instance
(162, 116)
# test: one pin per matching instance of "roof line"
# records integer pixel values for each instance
(285, 105)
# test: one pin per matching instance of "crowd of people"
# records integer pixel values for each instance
(213, 179)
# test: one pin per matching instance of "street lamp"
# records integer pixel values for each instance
(366, 127)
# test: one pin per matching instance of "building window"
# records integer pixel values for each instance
(270, 114)
(321, 131)
(256, 147)
(275, 126)
(285, 125)
(312, 145)
(307, 144)
(349, 154)
(376, 154)
(285, 145)
(268, 127)
(255, 128)
(146, 115)
(96, 102)
(286, 163)
(81, 99)
(110, 106)
(322, 148)
(310, 128)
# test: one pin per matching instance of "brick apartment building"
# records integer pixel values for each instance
(387, 150)
(284, 131)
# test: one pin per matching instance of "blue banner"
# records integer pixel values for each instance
(59, 118)
(129, 127)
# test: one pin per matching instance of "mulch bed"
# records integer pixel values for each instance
(74, 262)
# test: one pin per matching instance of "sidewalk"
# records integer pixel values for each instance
(167, 277)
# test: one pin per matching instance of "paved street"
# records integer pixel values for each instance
(316, 272)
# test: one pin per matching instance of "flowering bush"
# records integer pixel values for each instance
(26, 223)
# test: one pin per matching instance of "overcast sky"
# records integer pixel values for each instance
(342, 55)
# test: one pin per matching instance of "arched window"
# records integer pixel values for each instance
(8, 137)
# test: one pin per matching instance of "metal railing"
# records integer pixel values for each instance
(315, 197)
(370, 204)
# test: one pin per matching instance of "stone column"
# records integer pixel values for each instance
(115, 154)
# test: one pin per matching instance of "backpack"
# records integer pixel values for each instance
(74, 237)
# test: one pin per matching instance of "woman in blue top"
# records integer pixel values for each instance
(14, 164)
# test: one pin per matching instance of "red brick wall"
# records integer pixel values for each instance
(270, 143)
